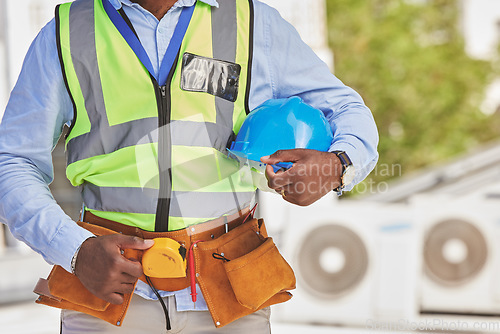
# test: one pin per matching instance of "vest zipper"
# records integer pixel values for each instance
(163, 100)
(164, 157)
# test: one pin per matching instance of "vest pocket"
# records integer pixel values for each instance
(212, 76)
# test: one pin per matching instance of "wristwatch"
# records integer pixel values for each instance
(348, 171)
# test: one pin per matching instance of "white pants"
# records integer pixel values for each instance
(146, 316)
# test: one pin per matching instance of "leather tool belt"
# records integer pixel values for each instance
(250, 275)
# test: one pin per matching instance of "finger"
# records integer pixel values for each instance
(269, 172)
(276, 180)
(131, 268)
(129, 242)
(115, 298)
(283, 156)
(125, 288)
(290, 195)
(282, 191)
(128, 279)
(287, 194)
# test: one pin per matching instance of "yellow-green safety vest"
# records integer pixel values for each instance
(154, 156)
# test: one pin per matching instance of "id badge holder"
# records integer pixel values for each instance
(207, 75)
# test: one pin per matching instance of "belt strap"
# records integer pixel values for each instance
(205, 231)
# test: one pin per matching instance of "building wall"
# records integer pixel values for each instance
(20, 21)
(309, 18)
(481, 27)
(481, 30)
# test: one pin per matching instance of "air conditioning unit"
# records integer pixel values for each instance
(461, 256)
(355, 262)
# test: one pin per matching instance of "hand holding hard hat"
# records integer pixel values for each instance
(292, 139)
(313, 175)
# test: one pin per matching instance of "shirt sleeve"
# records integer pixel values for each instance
(293, 69)
(37, 110)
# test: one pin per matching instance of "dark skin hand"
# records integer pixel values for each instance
(313, 175)
(156, 7)
(104, 271)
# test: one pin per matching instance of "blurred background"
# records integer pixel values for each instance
(415, 246)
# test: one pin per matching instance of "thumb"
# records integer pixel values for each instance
(282, 156)
(129, 242)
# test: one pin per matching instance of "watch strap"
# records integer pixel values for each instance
(344, 159)
(346, 162)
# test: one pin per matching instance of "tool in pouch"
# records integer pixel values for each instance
(165, 259)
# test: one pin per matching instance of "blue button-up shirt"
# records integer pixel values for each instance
(39, 107)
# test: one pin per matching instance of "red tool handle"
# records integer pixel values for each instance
(192, 275)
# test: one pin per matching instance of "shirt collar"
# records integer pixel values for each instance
(180, 3)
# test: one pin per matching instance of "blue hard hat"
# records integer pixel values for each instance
(282, 124)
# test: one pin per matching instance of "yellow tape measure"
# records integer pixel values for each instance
(166, 259)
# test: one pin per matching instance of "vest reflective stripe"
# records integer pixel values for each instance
(109, 126)
(224, 30)
(107, 199)
(224, 42)
(185, 133)
(110, 139)
(212, 203)
(138, 200)
(82, 41)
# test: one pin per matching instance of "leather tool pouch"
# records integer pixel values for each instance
(239, 273)
(242, 272)
(65, 291)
